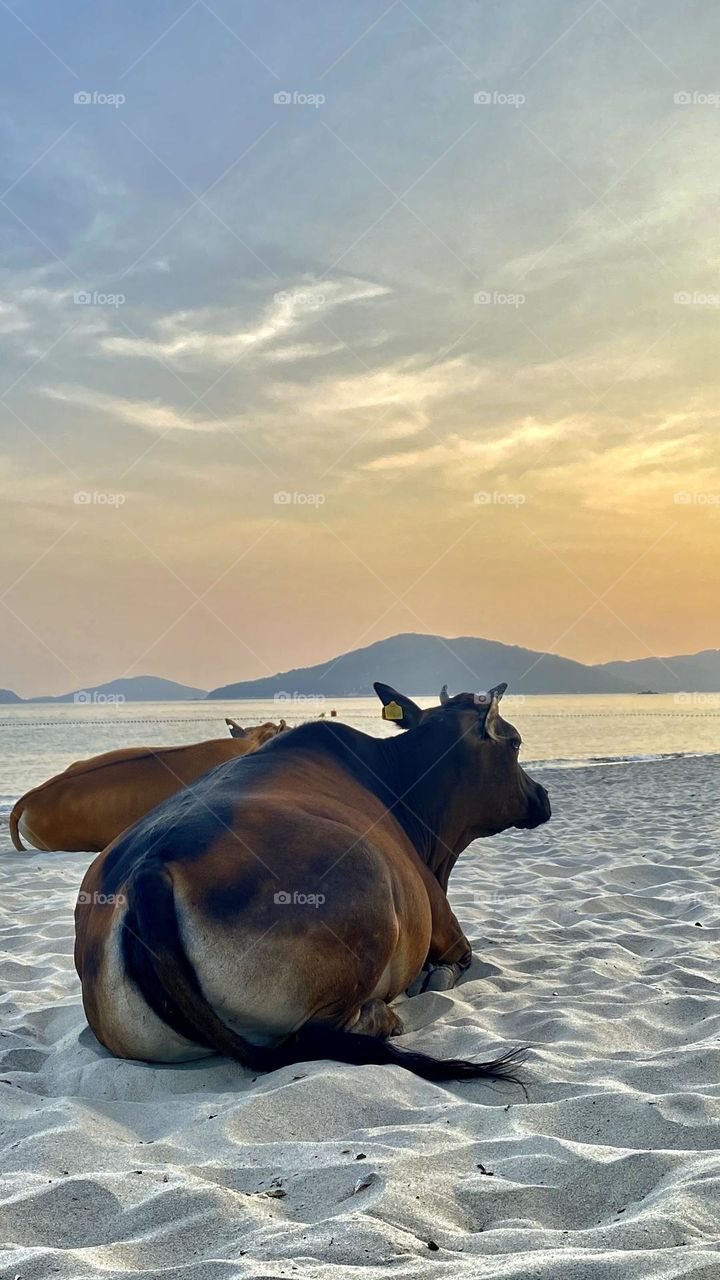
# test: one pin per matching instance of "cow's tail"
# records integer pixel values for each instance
(158, 964)
(14, 824)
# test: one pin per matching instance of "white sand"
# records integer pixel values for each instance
(596, 940)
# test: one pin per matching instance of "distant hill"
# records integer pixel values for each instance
(420, 664)
(134, 689)
(689, 672)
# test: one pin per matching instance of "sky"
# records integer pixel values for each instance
(324, 322)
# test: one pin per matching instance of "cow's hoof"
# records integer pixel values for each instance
(443, 978)
(376, 1018)
(435, 977)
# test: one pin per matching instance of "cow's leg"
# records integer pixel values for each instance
(450, 952)
(376, 1018)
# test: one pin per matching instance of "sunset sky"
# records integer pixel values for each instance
(474, 343)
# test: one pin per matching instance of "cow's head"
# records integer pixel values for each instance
(257, 734)
(261, 733)
(464, 750)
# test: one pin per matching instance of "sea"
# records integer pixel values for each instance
(568, 731)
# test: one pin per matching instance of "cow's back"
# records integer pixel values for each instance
(93, 801)
(250, 810)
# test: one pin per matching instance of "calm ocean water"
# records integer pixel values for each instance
(37, 741)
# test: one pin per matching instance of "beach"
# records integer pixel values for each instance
(596, 943)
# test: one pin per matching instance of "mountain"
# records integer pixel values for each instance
(420, 664)
(7, 696)
(691, 672)
(134, 689)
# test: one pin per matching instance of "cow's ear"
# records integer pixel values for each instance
(398, 709)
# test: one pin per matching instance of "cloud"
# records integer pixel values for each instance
(12, 319)
(31, 487)
(150, 415)
(406, 384)
(645, 470)
(460, 453)
(303, 351)
(209, 336)
(28, 305)
(390, 403)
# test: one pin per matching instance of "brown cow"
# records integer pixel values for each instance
(93, 801)
(274, 910)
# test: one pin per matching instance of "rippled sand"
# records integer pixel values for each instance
(597, 943)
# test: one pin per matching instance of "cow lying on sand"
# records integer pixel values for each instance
(93, 801)
(273, 911)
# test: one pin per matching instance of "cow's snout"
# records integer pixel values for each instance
(538, 808)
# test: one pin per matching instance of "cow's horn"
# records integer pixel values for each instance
(444, 695)
(497, 692)
(491, 719)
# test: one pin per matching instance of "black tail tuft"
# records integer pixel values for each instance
(345, 1046)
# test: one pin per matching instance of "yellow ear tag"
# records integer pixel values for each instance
(392, 711)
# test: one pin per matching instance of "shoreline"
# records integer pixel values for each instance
(599, 762)
(559, 765)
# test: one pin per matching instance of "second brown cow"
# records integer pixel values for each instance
(91, 802)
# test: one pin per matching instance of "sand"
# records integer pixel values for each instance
(596, 941)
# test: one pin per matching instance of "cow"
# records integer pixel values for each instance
(272, 912)
(88, 805)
